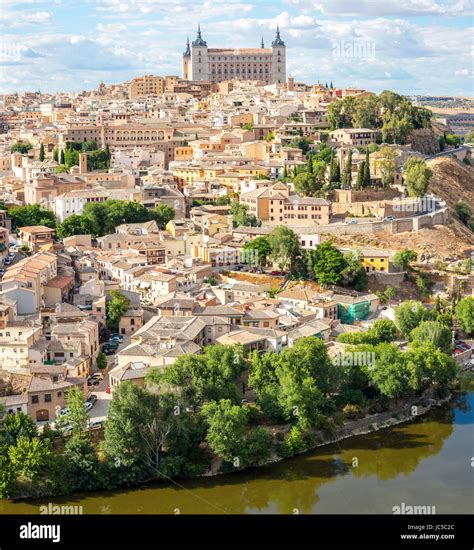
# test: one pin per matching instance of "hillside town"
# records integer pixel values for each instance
(169, 222)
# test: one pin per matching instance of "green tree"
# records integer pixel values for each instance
(367, 169)
(257, 447)
(354, 274)
(360, 184)
(61, 157)
(384, 330)
(404, 258)
(347, 173)
(200, 378)
(334, 171)
(307, 378)
(75, 225)
(33, 214)
(308, 183)
(28, 457)
(18, 424)
(390, 373)
(425, 284)
(428, 365)
(261, 247)
(302, 143)
(386, 164)
(137, 430)
(41, 152)
(417, 177)
(465, 314)
(101, 361)
(240, 216)
(56, 154)
(96, 213)
(284, 246)
(21, 147)
(434, 333)
(409, 315)
(453, 140)
(463, 212)
(76, 415)
(227, 424)
(328, 264)
(116, 306)
(82, 464)
(163, 214)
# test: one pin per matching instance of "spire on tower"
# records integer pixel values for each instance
(278, 41)
(262, 45)
(199, 41)
(187, 52)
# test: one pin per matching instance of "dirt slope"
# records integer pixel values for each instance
(452, 181)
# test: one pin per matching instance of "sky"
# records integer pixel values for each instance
(413, 47)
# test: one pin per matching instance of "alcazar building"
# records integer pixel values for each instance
(219, 64)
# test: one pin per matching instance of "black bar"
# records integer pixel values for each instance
(135, 531)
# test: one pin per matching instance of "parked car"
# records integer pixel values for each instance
(11, 254)
(7, 261)
(92, 399)
(388, 219)
(2, 272)
(93, 381)
(97, 375)
(88, 406)
(116, 336)
(108, 350)
(63, 411)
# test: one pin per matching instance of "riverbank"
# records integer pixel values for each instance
(411, 409)
(421, 461)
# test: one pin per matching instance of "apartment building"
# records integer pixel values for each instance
(355, 137)
(278, 206)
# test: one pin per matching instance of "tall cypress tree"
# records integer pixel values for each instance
(61, 157)
(347, 174)
(337, 171)
(41, 153)
(367, 169)
(285, 171)
(360, 176)
(56, 154)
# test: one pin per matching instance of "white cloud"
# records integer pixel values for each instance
(14, 19)
(385, 8)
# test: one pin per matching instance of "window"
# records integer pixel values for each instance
(47, 398)
(34, 399)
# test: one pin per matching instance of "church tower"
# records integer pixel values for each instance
(199, 58)
(187, 61)
(278, 59)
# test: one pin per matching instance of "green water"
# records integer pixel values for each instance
(426, 462)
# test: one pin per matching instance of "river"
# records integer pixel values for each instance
(424, 462)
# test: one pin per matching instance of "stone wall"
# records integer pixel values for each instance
(364, 195)
(440, 217)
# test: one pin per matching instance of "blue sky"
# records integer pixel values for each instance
(409, 46)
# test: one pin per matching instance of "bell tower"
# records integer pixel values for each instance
(199, 58)
(278, 59)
